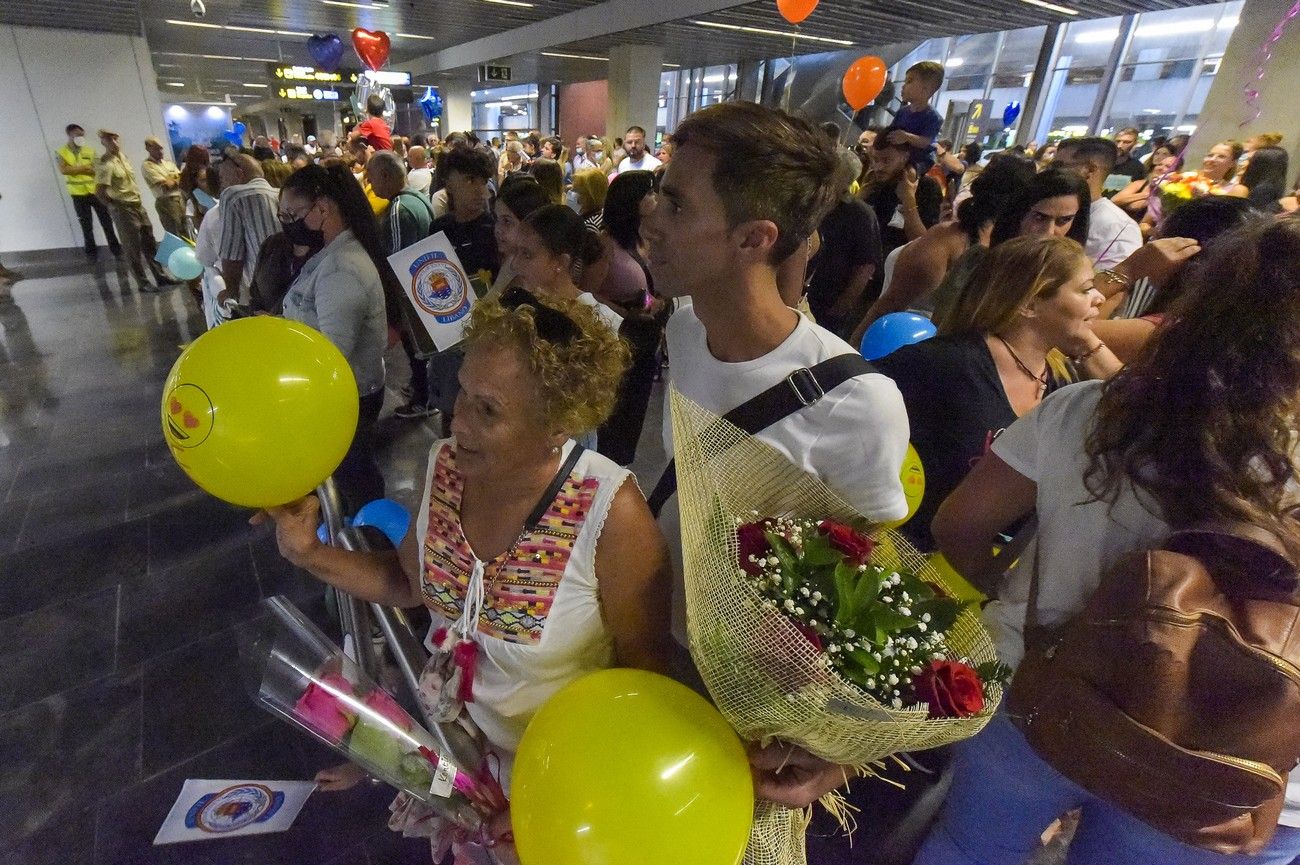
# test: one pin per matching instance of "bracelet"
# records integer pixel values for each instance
(1089, 353)
(1115, 277)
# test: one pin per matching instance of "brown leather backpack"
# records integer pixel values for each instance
(1175, 694)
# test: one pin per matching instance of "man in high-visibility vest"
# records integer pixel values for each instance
(77, 165)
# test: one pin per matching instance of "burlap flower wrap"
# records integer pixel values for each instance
(764, 676)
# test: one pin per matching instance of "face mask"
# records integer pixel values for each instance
(78, 141)
(300, 235)
(571, 199)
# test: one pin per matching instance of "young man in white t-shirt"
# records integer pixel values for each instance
(1112, 234)
(745, 189)
(637, 158)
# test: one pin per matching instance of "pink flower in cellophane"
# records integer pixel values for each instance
(322, 709)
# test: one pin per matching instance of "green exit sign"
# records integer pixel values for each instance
(493, 73)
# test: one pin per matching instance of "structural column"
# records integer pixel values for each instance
(1226, 113)
(457, 107)
(634, 72)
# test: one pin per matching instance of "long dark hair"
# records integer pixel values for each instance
(563, 232)
(1265, 177)
(621, 218)
(1205, 220)
(197, 161)
(1203, 421)
(1002, 179)
(338, 185)
(1051, 183)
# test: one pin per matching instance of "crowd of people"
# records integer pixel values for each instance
(1118, 368)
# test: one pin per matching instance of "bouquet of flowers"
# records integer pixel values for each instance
(880, 627)
(1178, 188)
(297, 674)
(810, 631)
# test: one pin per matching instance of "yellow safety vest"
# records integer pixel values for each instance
(79, 184)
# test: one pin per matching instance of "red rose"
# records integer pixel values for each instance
(752, 543)
(855, 546)
(952, 689)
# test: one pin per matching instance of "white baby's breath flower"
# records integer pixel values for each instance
(925, 617)
(896, 703)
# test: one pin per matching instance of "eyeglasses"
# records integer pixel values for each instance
(551, 324)
(286, 218)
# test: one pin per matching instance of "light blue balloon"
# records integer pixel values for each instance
(184, 264)
(889, 333)
(386, 515)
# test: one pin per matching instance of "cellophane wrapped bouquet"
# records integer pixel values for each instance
(299, 675)
(809, 631)
(1178, 188)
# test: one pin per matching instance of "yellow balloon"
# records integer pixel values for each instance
(260, 410)
(625, 767)
(959, 587)
(913, 478)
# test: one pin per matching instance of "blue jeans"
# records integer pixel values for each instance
(1004, 796)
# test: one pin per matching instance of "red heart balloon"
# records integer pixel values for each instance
(371, 47)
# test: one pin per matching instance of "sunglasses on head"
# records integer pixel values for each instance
(551, 324)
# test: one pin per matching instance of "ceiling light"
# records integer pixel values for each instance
(785, 34)
(355, 5)
(415, 36)
(1097, 37)
(672, 66)
(203, 24)
(1043, 4)
(235, 27)
(512, 3)
(250, 84)
(174, 84)
(954, 62)
(574, 56)
(216, 56)
(1176, 28)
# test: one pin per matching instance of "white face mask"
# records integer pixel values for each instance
(79, 141)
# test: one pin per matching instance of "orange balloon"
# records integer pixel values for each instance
(795, 11)
(864, 81)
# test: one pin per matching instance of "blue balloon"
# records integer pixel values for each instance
(240, 128)
(235, 138)
(1010, 113)
(326, 49)
(431, 104)
(387, 516)
(891, 332)
(184, 264)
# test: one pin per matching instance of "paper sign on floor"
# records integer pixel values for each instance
(222, 809)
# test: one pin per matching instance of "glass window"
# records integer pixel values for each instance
(502, 109)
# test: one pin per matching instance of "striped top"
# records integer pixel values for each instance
(250, 217)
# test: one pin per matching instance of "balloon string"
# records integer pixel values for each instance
(1265, 55)
(789, 75)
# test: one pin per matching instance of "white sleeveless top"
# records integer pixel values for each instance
(541, 625)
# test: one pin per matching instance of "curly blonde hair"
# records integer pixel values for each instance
(577, 380)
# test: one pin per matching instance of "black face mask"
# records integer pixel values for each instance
(300, 235)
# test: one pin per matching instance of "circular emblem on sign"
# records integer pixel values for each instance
(439, 287)
(187, 416)
(235, 808)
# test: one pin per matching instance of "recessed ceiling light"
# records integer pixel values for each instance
(216, 56)
(416, 36)
(1043, 4)
(511, 3)
(202, 24)
(250, 84)
(785, 34)
(355, 5)
(175, 84)
(574, 56)
(240, 29)
(672, 66)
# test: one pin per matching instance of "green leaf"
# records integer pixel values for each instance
(868, 588)
(994, 672)
(845, 583)
(863, 660)
(791, 575)
(943, 613)
(890, 621)
(817, 550)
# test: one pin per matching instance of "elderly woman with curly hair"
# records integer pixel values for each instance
(509, 485)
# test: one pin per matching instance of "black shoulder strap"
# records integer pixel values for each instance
(800, 389)
(544, 503)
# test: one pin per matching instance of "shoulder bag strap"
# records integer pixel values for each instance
(544, 503)
(800, 389)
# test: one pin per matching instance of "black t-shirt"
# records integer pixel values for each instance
(956, 406)
(1130, 167)
(884, 201)
(850, 239)
(475, 242)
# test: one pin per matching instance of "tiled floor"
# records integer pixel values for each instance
(120, 587)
